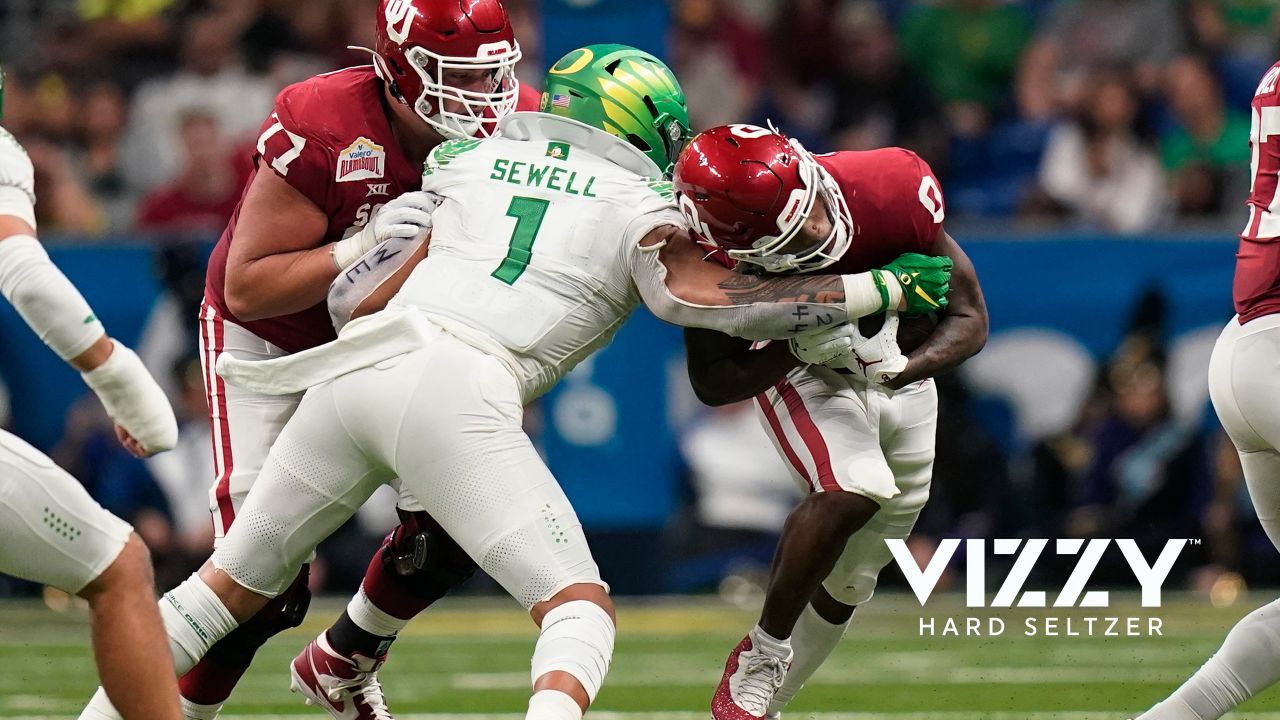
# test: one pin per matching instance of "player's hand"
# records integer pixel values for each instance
(877, 359)
(131, 443)
(407, 216)
(824, 346)
(924, 280)
(134, 401)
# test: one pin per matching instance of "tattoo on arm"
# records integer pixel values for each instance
(821, 289)
(812, 296)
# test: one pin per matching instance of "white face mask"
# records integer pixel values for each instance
(479, 111)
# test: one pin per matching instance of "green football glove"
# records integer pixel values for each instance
(925, 281)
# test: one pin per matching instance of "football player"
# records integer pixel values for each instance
(546, 239)
(51, 531)
(1244, 385)
(333, 162)
(853, 416)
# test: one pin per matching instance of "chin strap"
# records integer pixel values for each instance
(380, 69)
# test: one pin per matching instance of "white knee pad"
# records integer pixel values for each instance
(194, 618)
(577, 638)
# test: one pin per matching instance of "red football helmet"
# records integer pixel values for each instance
(418, 41)
(746, 191)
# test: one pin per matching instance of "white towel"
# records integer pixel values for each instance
(362, 343)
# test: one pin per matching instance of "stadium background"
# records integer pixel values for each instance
(1094, 157)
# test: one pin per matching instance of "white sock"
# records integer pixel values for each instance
(812, 642)
(100, 708)
(577, 638)
(195, 619)
(553, 705)
(764, 642)
(1247, 663)
(194, 711)
(371, 619)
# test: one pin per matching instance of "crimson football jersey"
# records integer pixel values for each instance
(329, 138)
(895, 202)
(1256, 290)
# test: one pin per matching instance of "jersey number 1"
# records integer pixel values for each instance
(528, 213)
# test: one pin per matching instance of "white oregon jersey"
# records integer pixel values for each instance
(15, 166)
(16, 174)
(534, 243)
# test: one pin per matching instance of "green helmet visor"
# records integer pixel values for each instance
(627, 93)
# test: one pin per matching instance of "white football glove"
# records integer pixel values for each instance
(134, 400)
(824, 346)
(404, 217)
(877, 359)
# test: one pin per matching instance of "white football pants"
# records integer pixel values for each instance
(447, 420)
(1244, 384)
(51, 531)
(243, 423)
(838, 434)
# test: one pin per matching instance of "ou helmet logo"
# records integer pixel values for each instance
(690, 212)
(749, 132)
(401, 13)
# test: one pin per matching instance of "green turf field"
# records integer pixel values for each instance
(468, 660)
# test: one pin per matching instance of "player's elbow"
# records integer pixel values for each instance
(716, 388)
(977, 335)
(243, 303)
(699, 297)
(713, 393)
(980, 339)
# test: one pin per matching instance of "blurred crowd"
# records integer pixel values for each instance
(141, 116)
(1120, 115)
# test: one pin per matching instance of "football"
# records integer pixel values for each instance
(912, 329)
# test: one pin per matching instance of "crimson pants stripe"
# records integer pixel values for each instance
(223, 462)
(810, 434)
(771, 417)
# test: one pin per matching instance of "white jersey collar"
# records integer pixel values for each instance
(542, 126)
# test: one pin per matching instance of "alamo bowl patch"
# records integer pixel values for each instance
(361, 160)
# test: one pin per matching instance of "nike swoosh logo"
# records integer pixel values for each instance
(923, 294)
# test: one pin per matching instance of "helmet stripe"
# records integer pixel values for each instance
(580, 62)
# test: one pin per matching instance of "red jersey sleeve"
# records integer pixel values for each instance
(1264, 141)
(294, 153)
(895, 201)
(923, 205)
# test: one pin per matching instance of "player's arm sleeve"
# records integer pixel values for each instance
(44, 297)
(290, 149)
(353, 292)
(677, 286)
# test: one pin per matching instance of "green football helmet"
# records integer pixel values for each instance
(625, 92)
